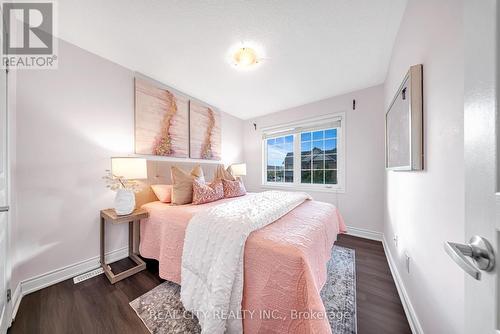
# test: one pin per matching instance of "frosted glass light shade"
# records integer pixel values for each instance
(245, 57)
(239, 169)
(129, 168)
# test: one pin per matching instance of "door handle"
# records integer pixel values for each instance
(478, 249)
(4, 208)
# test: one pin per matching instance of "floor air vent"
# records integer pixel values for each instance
(87, 275)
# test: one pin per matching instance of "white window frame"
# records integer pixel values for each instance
(312, 124)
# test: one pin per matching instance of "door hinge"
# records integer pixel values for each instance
(9, 295)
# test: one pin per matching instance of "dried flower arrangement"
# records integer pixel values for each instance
(114, 182)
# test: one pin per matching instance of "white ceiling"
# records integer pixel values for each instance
(313, 49)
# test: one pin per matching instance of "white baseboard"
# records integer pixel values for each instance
(42, 281)
(16, 301)
(363, 233)
(415, 326)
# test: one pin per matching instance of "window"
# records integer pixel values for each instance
(280, 159)
(318, 155)
(305, 155)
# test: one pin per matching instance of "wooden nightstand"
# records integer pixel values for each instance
(134, 218)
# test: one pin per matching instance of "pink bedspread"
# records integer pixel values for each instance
(284, 264)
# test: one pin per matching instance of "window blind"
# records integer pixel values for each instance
(303, 127)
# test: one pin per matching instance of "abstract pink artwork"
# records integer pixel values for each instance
(205, 132)
(161, 121)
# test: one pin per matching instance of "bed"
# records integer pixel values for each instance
(284, 262)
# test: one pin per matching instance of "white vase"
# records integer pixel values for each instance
(124, 202)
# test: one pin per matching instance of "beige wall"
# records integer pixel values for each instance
(426, 208)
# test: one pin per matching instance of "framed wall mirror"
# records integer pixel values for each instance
(404, 125)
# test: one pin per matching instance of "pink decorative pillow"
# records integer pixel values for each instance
(163, 192)
(205, 193)
(233, 188)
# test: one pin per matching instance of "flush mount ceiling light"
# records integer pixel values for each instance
(245, 56)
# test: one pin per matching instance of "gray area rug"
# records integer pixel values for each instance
(339, 292)
(162, 312)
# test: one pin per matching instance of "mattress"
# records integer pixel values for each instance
(284, 262)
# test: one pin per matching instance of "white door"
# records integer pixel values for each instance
(4, 321)
(482, 171)
(4, 274)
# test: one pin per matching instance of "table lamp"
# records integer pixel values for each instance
(239, 169)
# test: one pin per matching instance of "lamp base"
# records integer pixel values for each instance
(124, 202)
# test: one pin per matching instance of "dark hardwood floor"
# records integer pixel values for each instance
(96, 306)
(379, 308)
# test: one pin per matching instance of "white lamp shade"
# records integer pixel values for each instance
(129, 168)
(239, 169)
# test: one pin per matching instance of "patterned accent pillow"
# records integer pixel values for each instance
(233, 188)
(205, 193)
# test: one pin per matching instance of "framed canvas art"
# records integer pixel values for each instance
(404, 125)
(161, 120)
(204, 131)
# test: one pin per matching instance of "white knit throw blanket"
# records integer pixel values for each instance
(212, 258)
